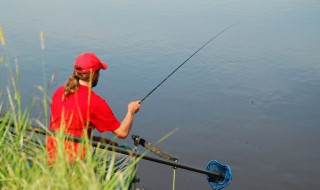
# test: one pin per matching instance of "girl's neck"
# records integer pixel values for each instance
(83, 83)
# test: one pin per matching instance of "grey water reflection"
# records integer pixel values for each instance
(249, 99)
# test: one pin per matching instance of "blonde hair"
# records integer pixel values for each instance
(72, 84)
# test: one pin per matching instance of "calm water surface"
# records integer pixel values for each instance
(249, 99)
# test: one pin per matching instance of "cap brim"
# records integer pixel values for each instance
(104, 65)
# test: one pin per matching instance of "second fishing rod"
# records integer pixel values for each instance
(214, 37)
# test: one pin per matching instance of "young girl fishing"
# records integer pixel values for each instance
(78, 110)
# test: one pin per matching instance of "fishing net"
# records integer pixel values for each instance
(218, 182)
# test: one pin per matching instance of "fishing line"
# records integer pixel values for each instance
(186, 61)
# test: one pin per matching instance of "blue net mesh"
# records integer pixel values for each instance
(219, 182)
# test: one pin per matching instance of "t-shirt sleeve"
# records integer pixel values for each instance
(102, 116)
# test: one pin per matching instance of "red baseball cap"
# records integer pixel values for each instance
(87, 62)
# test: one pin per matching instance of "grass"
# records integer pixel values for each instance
(23, 158)
(24, 166)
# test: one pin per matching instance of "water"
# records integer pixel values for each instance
(249, 99)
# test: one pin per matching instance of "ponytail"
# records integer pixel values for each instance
(71, 86)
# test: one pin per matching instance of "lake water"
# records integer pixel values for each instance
(249, 99)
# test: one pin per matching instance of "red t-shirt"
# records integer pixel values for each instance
(83, 110)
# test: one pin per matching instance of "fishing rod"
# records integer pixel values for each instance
(42, 131)
(214, 37)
